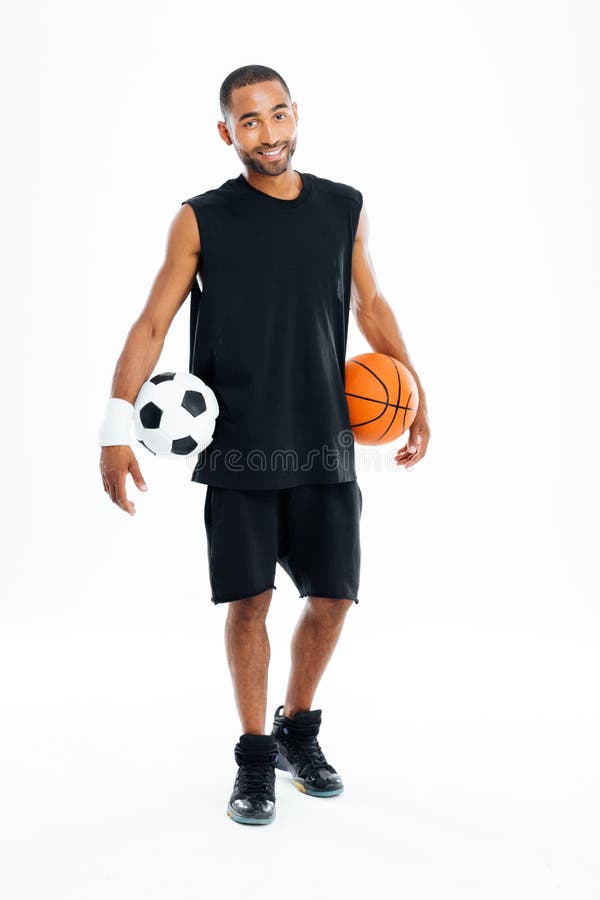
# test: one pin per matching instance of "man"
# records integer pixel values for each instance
(282, 257)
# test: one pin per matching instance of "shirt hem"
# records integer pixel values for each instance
(293, 481)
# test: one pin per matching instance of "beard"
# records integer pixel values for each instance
(261, 164)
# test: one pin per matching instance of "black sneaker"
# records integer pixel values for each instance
(253, 799)
(300, 754)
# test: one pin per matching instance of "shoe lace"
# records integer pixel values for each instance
(255, 777)
(310, 752)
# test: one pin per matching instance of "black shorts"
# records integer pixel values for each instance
(312, 530)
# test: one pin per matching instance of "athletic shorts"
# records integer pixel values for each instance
(312, 530)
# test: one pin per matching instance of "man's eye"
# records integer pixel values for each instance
(255, 120)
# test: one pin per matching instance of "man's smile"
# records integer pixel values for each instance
(272, 154)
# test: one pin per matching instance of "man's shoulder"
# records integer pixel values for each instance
(225, 193)
(337, 188)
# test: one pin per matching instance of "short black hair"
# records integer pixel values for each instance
(243, 76)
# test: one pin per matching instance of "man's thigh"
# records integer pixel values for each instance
(319, 539)
(241, 532)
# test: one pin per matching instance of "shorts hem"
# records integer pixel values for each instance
(244, 597)
(330, 596)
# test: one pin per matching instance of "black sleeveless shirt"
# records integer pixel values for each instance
(268, 332)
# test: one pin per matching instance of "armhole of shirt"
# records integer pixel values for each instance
(357, 205)
(196, 294)
(196, 216)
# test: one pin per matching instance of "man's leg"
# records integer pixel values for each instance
(313, 642)
(248, 655)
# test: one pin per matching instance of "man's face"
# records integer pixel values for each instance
(262, 119)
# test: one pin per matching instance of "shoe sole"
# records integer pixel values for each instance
(247, 820)
(285, 766)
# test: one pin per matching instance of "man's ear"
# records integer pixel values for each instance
(224, 133)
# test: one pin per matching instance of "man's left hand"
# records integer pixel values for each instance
(416, 446)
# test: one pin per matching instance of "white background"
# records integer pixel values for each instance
(461, 704)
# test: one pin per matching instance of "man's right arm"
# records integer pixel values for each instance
(169, 290)
(145, 342)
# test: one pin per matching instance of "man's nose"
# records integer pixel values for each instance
(266, 135)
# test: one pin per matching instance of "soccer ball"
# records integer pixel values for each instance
(174, 414)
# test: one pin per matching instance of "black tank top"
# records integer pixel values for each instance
(268, 332)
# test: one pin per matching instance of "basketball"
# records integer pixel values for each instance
(382, 397)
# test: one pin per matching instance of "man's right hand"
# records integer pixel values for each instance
(115, 463)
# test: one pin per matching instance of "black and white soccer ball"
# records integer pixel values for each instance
(174, 414)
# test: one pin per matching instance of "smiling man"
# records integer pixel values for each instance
(275, 260)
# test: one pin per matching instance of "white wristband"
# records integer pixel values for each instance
(116, 424)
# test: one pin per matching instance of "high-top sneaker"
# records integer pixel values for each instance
(252, 801)
(300, 753)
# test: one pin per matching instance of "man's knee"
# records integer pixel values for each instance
(255, 607)
(329, 607)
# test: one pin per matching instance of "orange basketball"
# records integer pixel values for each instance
(382, 397)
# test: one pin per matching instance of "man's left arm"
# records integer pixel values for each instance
(377, 323)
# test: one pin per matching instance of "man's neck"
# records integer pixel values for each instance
(286, 186)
